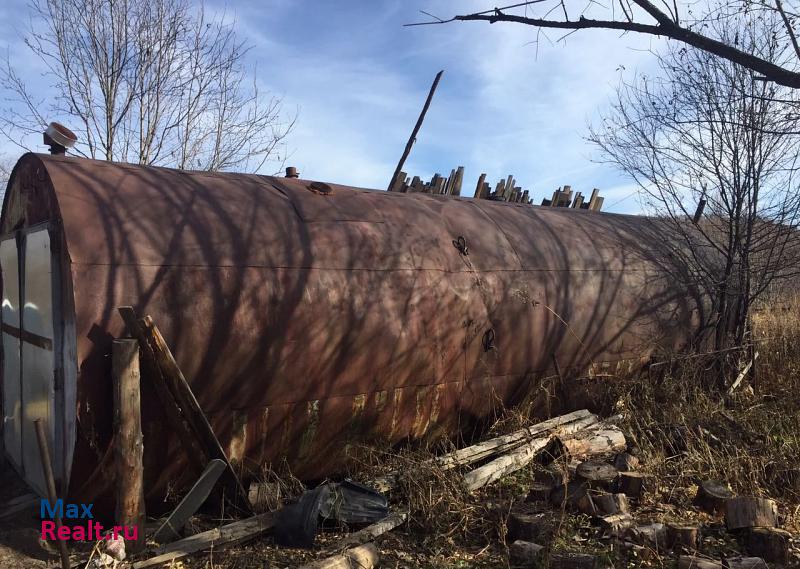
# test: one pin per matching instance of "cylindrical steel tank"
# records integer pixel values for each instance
(308, 316)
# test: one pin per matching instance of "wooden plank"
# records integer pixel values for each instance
(50, 482)
(191, 408)
(506, 464)
(742, 374)
(362, 557)
(190, 503)
(459, 180)
(177, 422)
(571, 422)
(480, 187)
(230, 534)
(370, 532)
(128, 440)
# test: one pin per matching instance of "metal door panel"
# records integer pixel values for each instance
(12, 426)
(38, 393)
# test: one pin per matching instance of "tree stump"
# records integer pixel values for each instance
(771, 544)
(744, 563)
(526, 527)
(632, 484)
(540, 492)
(575, 561)
(525, 553)
(750, 512)
(597, 474)
(568, 495)
(609, 504)
(626, 462)
(711, 497)
(690, 562)
(683, 536)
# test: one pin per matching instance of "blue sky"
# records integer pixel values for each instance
(506, 105)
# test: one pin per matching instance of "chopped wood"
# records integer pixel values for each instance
(506, 464)
(750, 512)
(606, 440)
(691, 562)
(744, 563)
(771, 544)
(626, 462)
(632, 484)
(128, 439)
(683, 536)
(569, 423)
(191, 502)
(572, 494)
(372, 531)
(362, 557)
(711, 497)
(607, 504)
(597, 474)
(540, 492)
(230, 534)
(616, 524)
(651, 535)
(527, 526)
(525, 553)
(576, 561)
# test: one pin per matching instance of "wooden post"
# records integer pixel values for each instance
(128, 440)
(417, 126)
(47, 467)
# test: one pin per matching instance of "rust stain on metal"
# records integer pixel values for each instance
(238, 442)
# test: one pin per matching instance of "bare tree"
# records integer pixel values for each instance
(666, 18)
(146, 81)
(715, 152)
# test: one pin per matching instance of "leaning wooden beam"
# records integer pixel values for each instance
(362, 557)
(197, 455)
(742, 374)
(190, 503)
(471, 454)
(50, 483)
(231, 534)
(506, 464)
(186, 399)
(128, 440)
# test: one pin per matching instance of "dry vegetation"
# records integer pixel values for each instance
(685, 434)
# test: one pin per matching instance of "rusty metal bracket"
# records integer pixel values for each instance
(461, 244)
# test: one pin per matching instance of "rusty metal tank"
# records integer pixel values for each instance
(308, 317)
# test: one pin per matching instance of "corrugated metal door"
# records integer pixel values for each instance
(12, 401)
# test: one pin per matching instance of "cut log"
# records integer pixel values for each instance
(128, 440)
(691, 562)
(555, 475)
(566, 424)
(617, 524)
(626, 462)
(744, 563)
(569, 495)
(750, 512)
(683, 536)
(771, 544)
(652, 535)
(632, 484)
(576, 561)
(506, 464)
(224, 536)
(540, 492)
(362, 557)
(187, 507)
(606, 440)
(527, 527)
(525, 553)
(608, 504)
(711, 497)
(597, 474)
